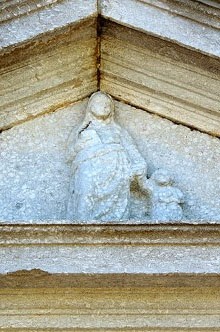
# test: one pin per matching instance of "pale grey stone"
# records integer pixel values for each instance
(62, 13)
(191, 157)
(166, 199)
(104, 162)
(92, 248)
(35, 176)
(111, 259)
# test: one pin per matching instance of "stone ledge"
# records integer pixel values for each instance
(42, 17)
(109, 309)
(101, 249)
(197, 24)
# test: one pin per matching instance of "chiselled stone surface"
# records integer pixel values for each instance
(105, 163)
(161, 77)
(166, 199)
(48, 73)
(35, 177)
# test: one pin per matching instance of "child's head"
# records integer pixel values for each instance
(162, 177)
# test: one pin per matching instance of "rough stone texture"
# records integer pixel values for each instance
(35, 178)
(185, 98)
(184, 22)
(161, 77)
(192, 158)
(21, 21)
(107, 249)
(48, 73)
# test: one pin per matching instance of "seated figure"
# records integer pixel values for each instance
(166, 199)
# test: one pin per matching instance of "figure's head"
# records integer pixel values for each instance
(162, 177)
(100, 105)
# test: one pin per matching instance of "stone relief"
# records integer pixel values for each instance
(166, 199)
(104, 163)
(35, 178)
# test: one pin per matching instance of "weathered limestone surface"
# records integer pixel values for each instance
(74, 277)
(176, 83)
(139, 277)
(121, 309)
(48, 73)
(161, 77)
(35, 176)
(113, 248)
(21, 21)
(138, 309)
(104, 163)
(194, 24)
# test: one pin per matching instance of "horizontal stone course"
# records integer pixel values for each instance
(91, 248)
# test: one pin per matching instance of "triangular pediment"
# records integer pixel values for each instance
(54, 53)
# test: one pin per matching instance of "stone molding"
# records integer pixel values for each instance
(35, 18)
(106, 306)
(113, 248)
(197, 22)
(50, 73)
(160, 77)
(25, 25)
(11, 10)
(139, 277)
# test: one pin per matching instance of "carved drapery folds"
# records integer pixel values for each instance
(105, 162)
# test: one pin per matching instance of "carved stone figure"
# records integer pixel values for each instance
(104, 162)
(166, 199)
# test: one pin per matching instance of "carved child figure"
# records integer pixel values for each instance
(166, 199)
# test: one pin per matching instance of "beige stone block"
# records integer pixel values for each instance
(120, 309)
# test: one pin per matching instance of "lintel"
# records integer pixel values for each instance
(111, 248)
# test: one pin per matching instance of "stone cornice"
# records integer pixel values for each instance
(168, 75)
(32, 19)
(197, 21)
(36, 278)
(191, 24)
(97, 249)
(11, 10)
(96, 233)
